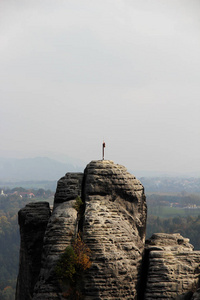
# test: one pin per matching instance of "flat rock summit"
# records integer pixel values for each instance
(112, 224)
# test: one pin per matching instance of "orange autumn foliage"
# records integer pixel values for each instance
(74, 261)
(82, 254)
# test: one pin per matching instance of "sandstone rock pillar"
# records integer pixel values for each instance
(114, 229)
(33, 221)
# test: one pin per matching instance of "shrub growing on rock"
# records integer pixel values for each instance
(79, 205)
(71, 265)
(65, 268)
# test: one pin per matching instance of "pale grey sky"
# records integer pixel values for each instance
(75, 72)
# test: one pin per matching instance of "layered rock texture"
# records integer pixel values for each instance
(173, 267)
(112, 225)
(114, 229)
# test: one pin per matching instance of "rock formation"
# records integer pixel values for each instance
(33, 221)
(114, 229)
(112, 225)
(62, 226)
(173, 267)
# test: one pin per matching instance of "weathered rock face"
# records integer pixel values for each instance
(68, 188)
(33, 221)
(62, 226)
(173, 267)
(114, 229)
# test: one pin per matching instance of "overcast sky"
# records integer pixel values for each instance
(73, 73)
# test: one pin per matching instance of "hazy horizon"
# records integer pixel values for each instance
(74, 73)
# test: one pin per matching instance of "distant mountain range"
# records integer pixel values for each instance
(44, 168)
(38, 168)
(44, 172)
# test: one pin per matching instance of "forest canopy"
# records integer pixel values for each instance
(11, 201)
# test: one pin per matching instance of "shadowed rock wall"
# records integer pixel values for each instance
(33, 221)
(68, 188)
